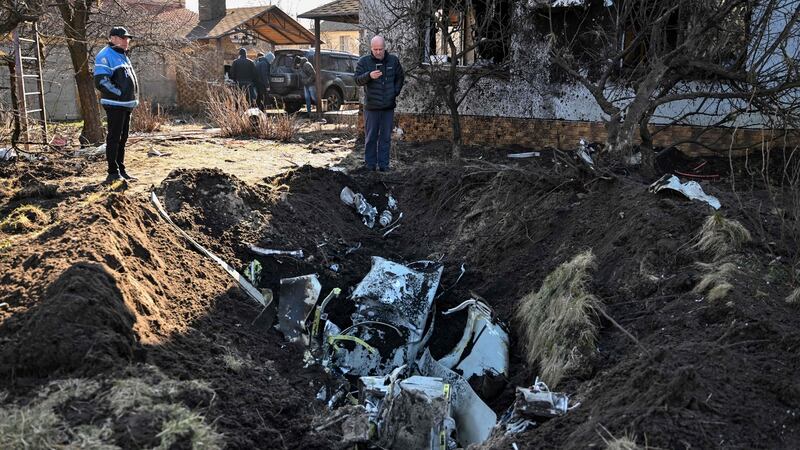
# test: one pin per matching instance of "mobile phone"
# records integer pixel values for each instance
(379, 66)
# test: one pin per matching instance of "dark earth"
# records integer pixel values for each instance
(105, 290)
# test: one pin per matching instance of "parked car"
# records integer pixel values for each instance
(338, 82)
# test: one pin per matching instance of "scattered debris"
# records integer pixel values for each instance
(538, 402)
(253, 271)
(271, 252)
(390, 230)
(334, 267)
(248, 288)
(385, 218)
(336, 140)
(583, 153)
(4, 305)
(691, 189)
(523, 155)
(7, 154)
(391, 322)
(353, 248)
(297, 299)
(153, 152)
(391, 203)
(481, 356)
(474, 419)
(357, 201)
(398, 133)
(91, 151)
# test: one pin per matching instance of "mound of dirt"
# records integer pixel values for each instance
(511, 226)
(112, 284)
(109, 283)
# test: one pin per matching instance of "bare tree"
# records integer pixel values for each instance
(449, 48)
(12, 12)
(728, 60)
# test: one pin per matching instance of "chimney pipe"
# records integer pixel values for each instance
(211, 9)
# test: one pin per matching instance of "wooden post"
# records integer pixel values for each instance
(318, 67)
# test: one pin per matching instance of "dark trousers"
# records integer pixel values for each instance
(262, 96)
(377, 137)
(119, 120)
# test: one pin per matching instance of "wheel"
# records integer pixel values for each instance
(292, 108)
(334, 98)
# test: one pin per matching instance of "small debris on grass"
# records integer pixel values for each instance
(690, 189)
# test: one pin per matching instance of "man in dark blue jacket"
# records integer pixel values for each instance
(382, 77)
(119, 88)
(262, 74)
(243, 72)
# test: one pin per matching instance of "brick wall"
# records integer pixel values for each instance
(563, 134)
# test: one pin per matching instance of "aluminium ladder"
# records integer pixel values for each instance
(30, 86)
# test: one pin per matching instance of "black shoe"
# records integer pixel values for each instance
(125, 175)
(383, 169)
(370, 168)
(112, 177)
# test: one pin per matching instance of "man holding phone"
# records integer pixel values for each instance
(382, 77)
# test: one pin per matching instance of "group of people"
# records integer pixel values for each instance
(379, 72)
(253, 76)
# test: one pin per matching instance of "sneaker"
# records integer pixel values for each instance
(112, 177)
(125, 175)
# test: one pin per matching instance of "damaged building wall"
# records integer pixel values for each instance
(528, 90)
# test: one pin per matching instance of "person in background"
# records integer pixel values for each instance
(116, 80)
(382, 77)
(308, 76)
(263, 63)
(243, 72)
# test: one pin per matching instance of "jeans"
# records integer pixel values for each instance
(311, 96)
(119, 120)
(377, 137)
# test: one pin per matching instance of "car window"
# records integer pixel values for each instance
(284, 60)
(328, 63)
(344, 65)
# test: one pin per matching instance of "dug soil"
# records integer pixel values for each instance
(104, 289)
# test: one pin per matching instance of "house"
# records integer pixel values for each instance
(175, 75)
(340, 36)
(528, 102)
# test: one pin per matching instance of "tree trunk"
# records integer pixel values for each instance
(12, 74)
(648, 155)
(75, 19)
(455, 122)
(92, 133)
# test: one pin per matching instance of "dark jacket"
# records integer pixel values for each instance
(243, 70)
(380, 94)
(308, 76)
(262, 72)
(115, 78)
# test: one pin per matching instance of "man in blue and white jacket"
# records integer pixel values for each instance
(115, 79)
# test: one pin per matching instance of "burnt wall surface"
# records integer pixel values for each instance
(529, 88)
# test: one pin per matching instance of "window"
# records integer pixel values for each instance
(344, 65)
(478, 29)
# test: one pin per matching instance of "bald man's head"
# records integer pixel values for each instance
(378, 47)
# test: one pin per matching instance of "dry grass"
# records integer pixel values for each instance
(235, 362)
(228, 109)
(182, 422)
(36, 424)
(720, 237)
(714, 283)
(621, 443)
(146, 118)
(794, 297)
(556, 323)
(24, 219)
